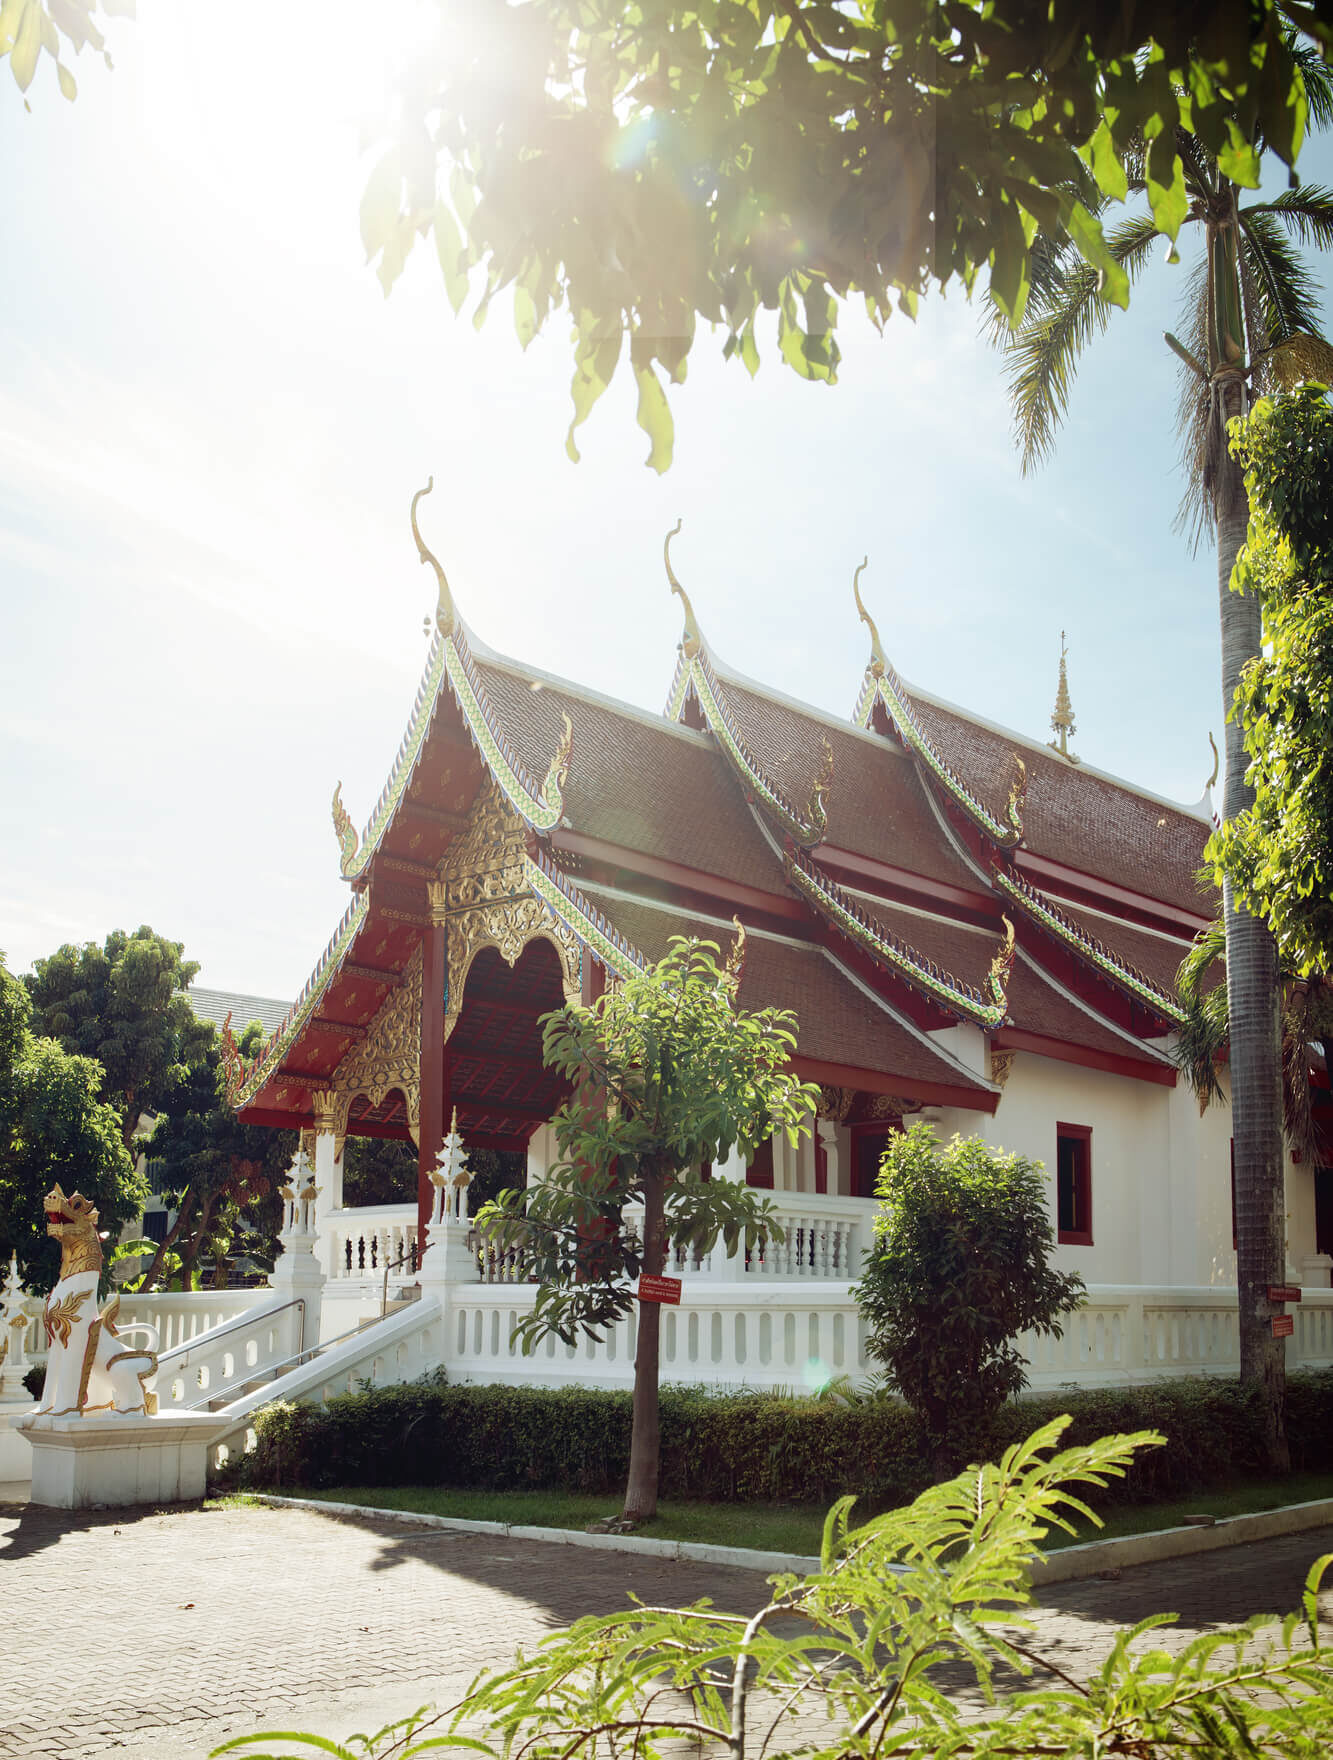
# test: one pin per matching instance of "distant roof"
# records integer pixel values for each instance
(216, 1005)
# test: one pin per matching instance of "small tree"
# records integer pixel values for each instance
(668, 1074)
(960, 1266)
(53, 1128)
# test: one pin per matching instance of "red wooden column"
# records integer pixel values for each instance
(434, 1099)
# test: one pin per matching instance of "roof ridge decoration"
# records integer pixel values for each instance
(694, 671)
(1043, 909)
(568, 905)
(882, 681)
(245, 1079)
(941, 986)
(539, 803)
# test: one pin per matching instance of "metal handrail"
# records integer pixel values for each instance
(402, 1259)
(301, 1356)
(242, 1320)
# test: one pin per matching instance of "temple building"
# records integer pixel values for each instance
(972, 927)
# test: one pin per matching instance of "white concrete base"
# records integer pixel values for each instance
(102, 1458)
(15, 1449)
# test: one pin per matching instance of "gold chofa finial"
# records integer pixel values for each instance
(1062, 721)
(1217, 765)
(691, 641)
(877, 660)
(445, 616)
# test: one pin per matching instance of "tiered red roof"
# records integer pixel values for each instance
(893, 874)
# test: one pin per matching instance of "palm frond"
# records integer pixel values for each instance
(1289, 293)
(1194, 516)
(1202, 1035)
(1306, 211)
(1318, 78)
(1045, 350)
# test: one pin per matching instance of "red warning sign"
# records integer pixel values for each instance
(660, 1289)
(1283, 1325)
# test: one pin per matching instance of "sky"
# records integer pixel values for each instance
(212, 422)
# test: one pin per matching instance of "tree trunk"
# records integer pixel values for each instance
(169, 1239)
(645, 1426)
(1252, 1001)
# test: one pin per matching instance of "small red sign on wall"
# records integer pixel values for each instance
(660, 1289)
(1283, 1325)
(1284, 1292)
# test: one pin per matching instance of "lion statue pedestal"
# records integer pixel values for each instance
(95, 1436)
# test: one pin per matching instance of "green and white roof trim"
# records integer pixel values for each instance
(1045, 911)
(847, 914)
(539, 803)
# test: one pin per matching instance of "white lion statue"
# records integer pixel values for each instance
(89, 1367)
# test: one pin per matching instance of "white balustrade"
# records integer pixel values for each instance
(244, 1348)
(358, 1244)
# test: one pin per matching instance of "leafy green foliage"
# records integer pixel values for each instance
(124, 1004)
(750, 1447)
(944, 1582)
(1279, 852)
(651, 167)
(959, 1267)
(667, 1073)
(29, 27)
(221, 1176)
(1255, 301)
(54, 1128)
(383, 1170)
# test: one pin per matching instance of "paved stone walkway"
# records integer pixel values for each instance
(142, 1633)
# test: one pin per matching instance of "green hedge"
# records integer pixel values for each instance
(746, 1447)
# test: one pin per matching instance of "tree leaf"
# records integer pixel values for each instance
(380, 203)
(654, 417)
(1113, 283)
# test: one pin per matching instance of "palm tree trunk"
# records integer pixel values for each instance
(645, 1425)
(1252, 997)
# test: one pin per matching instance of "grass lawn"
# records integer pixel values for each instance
(765, 1527)
(1245, 1498)
(778, 1528)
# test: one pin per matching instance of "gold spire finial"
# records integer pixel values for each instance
(735, 963)
(1062, 721)
(445, 616)
(1217, 764)
(692, 641)
(877, 660)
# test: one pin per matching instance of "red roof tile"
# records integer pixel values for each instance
(837, 1021)
(877, 806)
(1075, 816)
(636, 781)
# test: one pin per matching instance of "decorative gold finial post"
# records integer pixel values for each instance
(877, 660)
(445, 615)
(692, 641)
(1062, 722)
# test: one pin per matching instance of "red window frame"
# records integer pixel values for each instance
(1080, 1136)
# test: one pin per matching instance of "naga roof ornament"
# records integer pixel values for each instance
(735, 963)
(692, 641)
(882, 683)
(817, 811)
(877, 662)
(345, 831)
(446, 618)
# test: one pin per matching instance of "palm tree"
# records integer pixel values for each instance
(1251, 325)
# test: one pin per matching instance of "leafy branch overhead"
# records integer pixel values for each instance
(31, 28)
(650, 167)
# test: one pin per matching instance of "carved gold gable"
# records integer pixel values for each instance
(487, 902)
(389, 1056)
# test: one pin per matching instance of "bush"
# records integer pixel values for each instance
(748, 1448)
(959, 1267)
(35, 1380)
